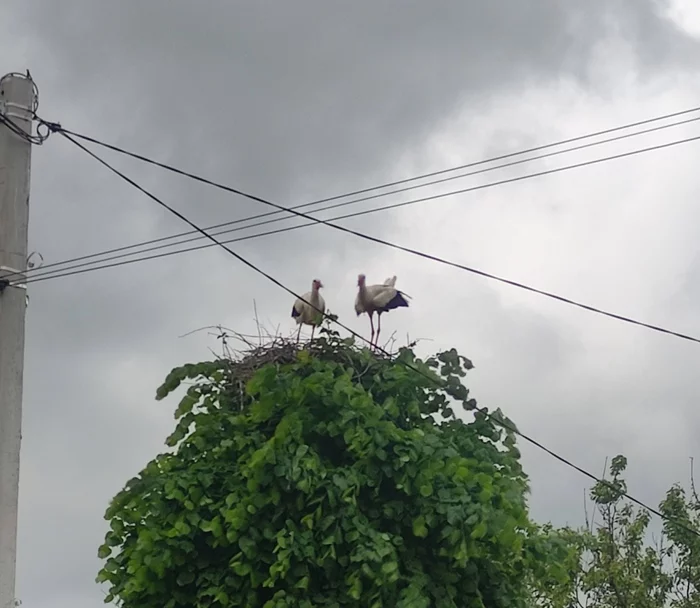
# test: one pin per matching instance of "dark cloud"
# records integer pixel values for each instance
(301, 100)
(281, 96)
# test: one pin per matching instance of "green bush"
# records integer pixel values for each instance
(327, 477)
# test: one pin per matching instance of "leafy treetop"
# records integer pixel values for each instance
(327, 477)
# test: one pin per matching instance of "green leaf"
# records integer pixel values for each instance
(185, 578)
(479, 530)
(419, 527)
(186, 405)
(104, 552)
(389, 567)
(222, 597)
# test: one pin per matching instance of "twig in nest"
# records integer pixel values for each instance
(417, 341)
(257, 321)
(389, 343)
(194, 331)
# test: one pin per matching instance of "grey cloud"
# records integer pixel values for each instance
(290, 101)
(319, 90)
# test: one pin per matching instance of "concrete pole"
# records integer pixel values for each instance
(16, 103)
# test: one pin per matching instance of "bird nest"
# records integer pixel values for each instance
(245, 354)
(245, 362)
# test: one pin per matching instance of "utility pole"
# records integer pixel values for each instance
(16, 104)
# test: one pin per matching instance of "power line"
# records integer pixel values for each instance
(437, 259)
(363, 199)
(496, 419)
(326, 222)
(415, 252)
(410, 179)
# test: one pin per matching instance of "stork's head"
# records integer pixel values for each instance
(316, 284)
(360, 280)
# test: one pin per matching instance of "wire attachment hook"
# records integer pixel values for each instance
(32, 265)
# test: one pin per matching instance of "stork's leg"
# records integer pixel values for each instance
(313, 329)
(379, 328)
(371, 324)
(299, 333)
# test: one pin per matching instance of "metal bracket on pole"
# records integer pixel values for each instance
(5, 283)
(7, 111)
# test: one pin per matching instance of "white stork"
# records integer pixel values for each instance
(310, 308)
(379, 299)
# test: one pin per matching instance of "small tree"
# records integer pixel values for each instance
(321, 478)
(615, 566)
(684, 547)
(623, 570)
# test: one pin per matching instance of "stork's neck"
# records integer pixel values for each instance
(314, 295)
(363, 293)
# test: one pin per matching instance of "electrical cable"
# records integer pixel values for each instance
(60, 272)
(355, 201)
(463, 267)
(425, 175)
(421, 254)
(20, 132)
(496, 419)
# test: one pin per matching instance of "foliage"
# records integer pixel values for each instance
(322, 477)
(615, 565)
(684, 547)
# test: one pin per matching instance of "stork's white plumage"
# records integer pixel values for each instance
(309, 309)
(379, 299)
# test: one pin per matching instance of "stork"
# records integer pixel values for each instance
(379, 299)
(310, 308)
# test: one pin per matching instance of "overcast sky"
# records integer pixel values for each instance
(297, 101)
